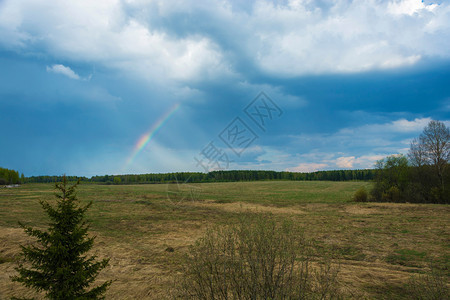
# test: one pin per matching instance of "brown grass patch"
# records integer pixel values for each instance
(237, 207)
(361, 210)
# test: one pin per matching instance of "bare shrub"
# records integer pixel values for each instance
(256, 259)
(430, 286)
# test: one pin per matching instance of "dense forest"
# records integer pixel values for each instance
(215, 176)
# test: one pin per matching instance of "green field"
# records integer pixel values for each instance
(379, 245)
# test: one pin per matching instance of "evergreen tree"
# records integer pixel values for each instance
(59, 266)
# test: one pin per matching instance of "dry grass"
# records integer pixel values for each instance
(379, 245)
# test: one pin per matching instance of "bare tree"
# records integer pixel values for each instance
(416, 154)
(432, 148)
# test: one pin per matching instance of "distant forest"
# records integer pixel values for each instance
(215, 176)
(8, 176)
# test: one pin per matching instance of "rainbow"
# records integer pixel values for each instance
(146, 138)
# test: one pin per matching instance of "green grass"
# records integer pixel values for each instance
(406, 257)
(286, 193)
(377, 244)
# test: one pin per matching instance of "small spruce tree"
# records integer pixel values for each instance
(58, 265)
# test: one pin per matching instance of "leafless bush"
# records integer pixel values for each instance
(430, 286)
(256, 259)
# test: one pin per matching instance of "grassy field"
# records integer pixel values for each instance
(379, 245)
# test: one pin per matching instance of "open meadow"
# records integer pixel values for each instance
(146, 231)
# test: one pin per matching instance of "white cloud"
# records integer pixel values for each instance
(409, 7)
(311, 162)
(345, 162)
(349, 148)
(61, 69)
(397, 126)
(361, 162)
(368, 161)
(105, 32)
(348, 36)
(307, 167)
(404, 125)
(357, 147)
(388, 135)
(157, 40)
(386, 130)
(272, 155)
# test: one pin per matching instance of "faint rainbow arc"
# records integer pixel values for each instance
(147, 137)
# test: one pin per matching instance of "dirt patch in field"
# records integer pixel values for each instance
(243, 207)
(361, 210)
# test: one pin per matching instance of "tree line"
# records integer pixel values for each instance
(8, 176)
(53, 179)
(214, 176)
(423, 176)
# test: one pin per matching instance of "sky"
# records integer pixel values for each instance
(147, 86)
